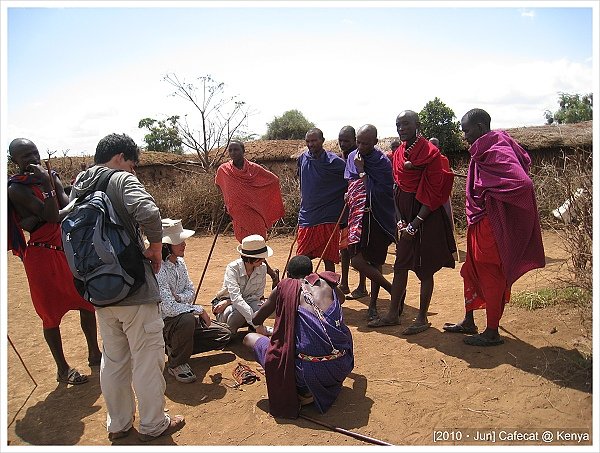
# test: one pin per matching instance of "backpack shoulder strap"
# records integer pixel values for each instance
(101, 183)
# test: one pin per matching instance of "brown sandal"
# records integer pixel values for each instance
(243, 374)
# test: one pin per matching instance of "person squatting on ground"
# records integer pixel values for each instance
(132, 330)
(34, 199)
(370, 199)
(322, 189)
(504, 237)
(310, 352)
(347, 144)
(243, 288)
(426, 243)
(252, 196)
(188, 328)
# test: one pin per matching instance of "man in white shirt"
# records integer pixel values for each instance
(188, 329)
(244, 285)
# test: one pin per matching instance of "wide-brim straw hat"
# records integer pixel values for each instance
(173, 232)
(254, 246)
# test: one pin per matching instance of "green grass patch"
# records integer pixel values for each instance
(546, 297)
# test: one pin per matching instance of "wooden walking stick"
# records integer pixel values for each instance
(22, 362)
(331, 237)
(291, 248)
(358, 436)
(212, 247)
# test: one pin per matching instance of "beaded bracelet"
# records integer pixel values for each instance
(50, 194)
(411, 229)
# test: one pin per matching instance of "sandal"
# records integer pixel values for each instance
(243, 374)
(73, 377)
(357, 294)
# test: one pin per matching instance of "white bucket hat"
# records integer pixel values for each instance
(173, 232)
(254, 246)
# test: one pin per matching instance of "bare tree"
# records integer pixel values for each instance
(221, 118)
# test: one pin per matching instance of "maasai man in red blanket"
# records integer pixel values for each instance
(252, 196)
(370, 198)
(310, 352)
(322, 189)
(504, 238)
(34, 200)
(426, 243)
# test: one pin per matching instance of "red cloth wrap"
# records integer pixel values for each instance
(433, 183)
(485, 285)
(50, 280)
(312, 241)
(252, 196)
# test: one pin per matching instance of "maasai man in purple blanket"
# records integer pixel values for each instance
(310, 352)
(371, 223)
(322, 189)
(504, 238)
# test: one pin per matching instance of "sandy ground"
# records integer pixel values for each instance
(427, 389)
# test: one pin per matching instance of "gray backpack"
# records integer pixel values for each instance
(107, 265)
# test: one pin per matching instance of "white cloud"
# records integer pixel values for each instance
(528, 13)
(331, 82)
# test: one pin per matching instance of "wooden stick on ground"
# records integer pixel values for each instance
(358, 436)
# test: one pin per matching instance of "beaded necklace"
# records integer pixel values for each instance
(407, 150)
(308, 298)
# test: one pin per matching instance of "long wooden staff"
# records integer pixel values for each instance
(291, 248)
(22, 362)
(331, 237)
(208, 258)
(362, 437)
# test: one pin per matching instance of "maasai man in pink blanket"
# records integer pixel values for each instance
(252, 196)
(504, 238)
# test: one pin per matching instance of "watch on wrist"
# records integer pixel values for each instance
(362, 174)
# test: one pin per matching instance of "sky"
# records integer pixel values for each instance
(73, 72)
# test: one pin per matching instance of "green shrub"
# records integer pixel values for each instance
(546, 297)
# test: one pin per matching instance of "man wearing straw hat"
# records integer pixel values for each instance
(188, 328)
(243, 288)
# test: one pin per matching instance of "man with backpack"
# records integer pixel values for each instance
(34, 199)
(131, 329)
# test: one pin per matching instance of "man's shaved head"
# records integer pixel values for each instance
(410, 114)
(19, 143)
(369, 130)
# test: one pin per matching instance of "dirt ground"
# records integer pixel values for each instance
(402, 390)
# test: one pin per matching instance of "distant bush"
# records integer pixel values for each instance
(292, 125)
